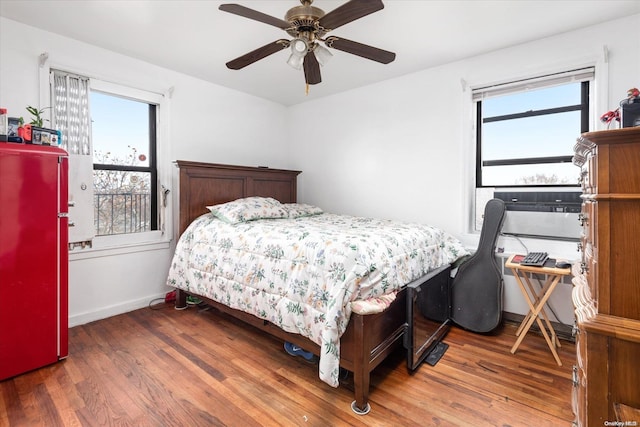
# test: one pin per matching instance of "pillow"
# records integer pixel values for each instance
(249, 209)
(297, 210)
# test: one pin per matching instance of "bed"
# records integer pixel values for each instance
(295, 285)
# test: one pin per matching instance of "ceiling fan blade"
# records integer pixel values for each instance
(348, 12)
(311, 69)
(237, 9)
(258, 54)
(359, 49)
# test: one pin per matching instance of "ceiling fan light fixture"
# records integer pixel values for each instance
(295, 61)
(323, 55)
(299, 48)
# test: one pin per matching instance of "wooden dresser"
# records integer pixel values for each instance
(606, 292)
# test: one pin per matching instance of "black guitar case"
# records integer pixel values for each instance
(476, 290)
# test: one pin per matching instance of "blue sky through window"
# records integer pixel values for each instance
(537, 136)
(118, 125)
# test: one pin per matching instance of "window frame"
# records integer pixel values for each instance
(584, 76)
(109, 245)
(152, 169)
(151, 98)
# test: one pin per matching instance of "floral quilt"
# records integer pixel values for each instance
(302, 273)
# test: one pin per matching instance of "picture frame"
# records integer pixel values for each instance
(14, 124)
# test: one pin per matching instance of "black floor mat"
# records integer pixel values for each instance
(436, 354)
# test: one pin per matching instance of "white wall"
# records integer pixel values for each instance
(399, 149)
(404, 148)
(207, 123)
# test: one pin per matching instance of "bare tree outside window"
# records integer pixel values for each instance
(122, 198)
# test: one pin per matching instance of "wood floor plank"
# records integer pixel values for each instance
(186, 351)
(165, 367)
(173, 356)
(11, 410)
(64, 396)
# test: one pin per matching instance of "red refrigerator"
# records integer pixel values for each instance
(33, 257)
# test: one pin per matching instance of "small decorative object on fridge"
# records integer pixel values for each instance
(40, 136)
(4, 124)
(14, 124)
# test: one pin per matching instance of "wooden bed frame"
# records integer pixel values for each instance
(368, 340)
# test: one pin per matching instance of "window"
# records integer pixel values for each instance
(526, 130)
(110, 132)
(124, 164)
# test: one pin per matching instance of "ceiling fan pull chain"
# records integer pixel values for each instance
(306, 92)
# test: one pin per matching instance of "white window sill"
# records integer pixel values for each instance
(121, 244)
(510, 245)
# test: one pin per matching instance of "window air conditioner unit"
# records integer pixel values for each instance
(537, 214)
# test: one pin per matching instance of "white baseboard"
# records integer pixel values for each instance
(113, 310)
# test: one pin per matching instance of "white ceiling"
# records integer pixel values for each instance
(195, 38)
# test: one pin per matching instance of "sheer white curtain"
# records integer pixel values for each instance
(70, 104)
(71, 116)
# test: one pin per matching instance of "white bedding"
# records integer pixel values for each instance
(302, 274)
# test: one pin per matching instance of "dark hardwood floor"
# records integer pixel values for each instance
(164, 367)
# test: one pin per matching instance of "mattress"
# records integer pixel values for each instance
(305, 274)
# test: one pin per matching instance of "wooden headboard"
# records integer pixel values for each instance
(204, 184)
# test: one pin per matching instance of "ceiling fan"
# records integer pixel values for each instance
(309, 25)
